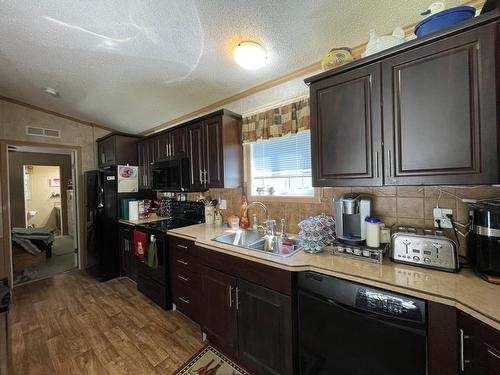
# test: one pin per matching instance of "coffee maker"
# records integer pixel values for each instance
(483, 242)
(350, 213)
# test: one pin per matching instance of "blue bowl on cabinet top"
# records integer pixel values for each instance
(444, 19)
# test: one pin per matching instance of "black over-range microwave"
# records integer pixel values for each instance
(171, 175)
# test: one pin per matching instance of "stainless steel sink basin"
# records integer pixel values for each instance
(259, 242)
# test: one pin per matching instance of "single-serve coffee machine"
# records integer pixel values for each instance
(350, 213)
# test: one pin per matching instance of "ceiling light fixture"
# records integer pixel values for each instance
(250, 55)
(51, 91)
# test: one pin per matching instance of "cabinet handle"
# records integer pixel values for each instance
(201, 176)
(390, 162)
(182, 262)
(205, 172)
(237, 298)
(184, 300)
(230, 295)
(463, 361)
(182, 246)
(183, 278)
(493, 354)
(376, 164)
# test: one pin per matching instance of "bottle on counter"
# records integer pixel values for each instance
(244, 222)
(209, 213)
(219, 220)
(385, 234)
(372, 232)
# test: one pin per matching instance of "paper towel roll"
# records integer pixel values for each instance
(133, 210)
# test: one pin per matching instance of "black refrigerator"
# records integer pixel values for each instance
(102, 215)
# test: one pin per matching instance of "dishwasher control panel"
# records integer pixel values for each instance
(386, 304)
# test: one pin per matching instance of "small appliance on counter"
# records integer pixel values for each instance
(350, 213)
(424, 248)
(483, 244)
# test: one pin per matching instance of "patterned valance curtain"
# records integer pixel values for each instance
(277, 122)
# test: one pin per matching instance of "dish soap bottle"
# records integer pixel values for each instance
(244, 222)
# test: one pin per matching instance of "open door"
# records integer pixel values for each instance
(5, 254)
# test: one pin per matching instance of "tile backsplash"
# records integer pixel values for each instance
(401, 205)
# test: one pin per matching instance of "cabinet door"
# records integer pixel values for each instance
(142, 156)
(196, 154)
(164, 145)
(479, 347)
(218, 308)
(179, 149)
(264, 329)
(346, 129)
(440, 123)
(106, 152)
(214, 164)
(128, 261)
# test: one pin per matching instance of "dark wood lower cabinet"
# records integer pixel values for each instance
(479, 349)
(264, 329)
(442, 339)
(219, 310)
(128, 262)
(247, 311)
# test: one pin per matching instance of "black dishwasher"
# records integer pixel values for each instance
(353, 329)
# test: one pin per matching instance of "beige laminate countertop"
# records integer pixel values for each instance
(465, 290)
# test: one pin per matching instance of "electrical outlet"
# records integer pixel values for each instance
(440, 214)
(223, 204)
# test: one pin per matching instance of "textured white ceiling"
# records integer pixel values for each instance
(132, 64)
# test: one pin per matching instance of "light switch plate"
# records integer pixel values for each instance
(223, 204)
(440, 214)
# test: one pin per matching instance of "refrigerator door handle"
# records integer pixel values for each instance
(100, 197)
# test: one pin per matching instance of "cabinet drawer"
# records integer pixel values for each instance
(182, 255)
(183, 275)
(153, 290)
(186, 300)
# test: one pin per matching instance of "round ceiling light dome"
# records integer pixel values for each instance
(250, 55)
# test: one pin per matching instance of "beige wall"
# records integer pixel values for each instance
(13, 120)
(41, 197)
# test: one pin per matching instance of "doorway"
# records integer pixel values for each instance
(43, 212)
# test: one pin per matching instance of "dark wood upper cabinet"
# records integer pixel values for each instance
(179, 144)
(440, 122)
(218, 308)
(264, 329)
(164, 145)
(347, 129)
(423, 113)
(114, 149)
(214, 153)
(479, 347)
(212, 144)
(196, 152)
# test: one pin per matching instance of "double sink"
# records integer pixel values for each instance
(262, 243)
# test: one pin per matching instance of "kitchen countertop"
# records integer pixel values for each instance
(140, 221)
(464, 290)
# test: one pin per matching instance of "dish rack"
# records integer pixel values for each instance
(360, 252)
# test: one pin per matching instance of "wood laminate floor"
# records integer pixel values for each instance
(72, 324)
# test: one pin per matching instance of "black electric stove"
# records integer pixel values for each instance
(154, 282)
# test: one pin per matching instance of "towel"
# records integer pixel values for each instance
(140, 244)
(152, 260)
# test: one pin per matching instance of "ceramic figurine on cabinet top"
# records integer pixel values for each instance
(379, 43)
(336, 57)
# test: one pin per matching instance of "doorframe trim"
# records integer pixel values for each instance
(6, 257)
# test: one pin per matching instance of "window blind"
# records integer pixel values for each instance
(282, 157)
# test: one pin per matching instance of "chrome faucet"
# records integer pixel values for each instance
(270, 224)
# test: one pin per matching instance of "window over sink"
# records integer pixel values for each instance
(280, 167)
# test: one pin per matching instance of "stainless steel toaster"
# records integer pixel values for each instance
(425, 248)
